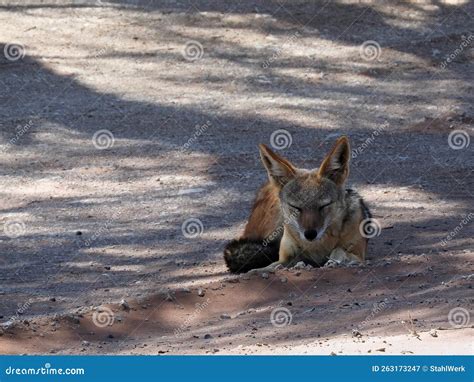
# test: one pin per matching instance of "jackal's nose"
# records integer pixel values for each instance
(310, 234)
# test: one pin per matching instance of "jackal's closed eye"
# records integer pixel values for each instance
(325, 205)
(295, 208)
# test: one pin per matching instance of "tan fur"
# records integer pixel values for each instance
(265, 214)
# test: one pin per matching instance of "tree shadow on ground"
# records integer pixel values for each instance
(52, 260)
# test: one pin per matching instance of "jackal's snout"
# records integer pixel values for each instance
(310, 234)
(310, 224)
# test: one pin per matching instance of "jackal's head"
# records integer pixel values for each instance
(312, 201)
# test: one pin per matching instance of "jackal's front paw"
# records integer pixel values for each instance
(269, 268)
(331, 264)
(340, 257)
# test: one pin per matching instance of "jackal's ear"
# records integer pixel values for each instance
(336, 164)
(280, 171)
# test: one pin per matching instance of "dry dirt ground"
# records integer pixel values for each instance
(94, 253)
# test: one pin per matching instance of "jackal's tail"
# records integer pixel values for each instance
(242, 255)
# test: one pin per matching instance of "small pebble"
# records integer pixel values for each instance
(356, 333)
(300, 265)
(124, 305)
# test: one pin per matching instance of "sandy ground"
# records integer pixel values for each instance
(94, 254)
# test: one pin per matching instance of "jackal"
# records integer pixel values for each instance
(302, 215)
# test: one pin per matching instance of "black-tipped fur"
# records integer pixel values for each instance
(242, 255)
(363, 206)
